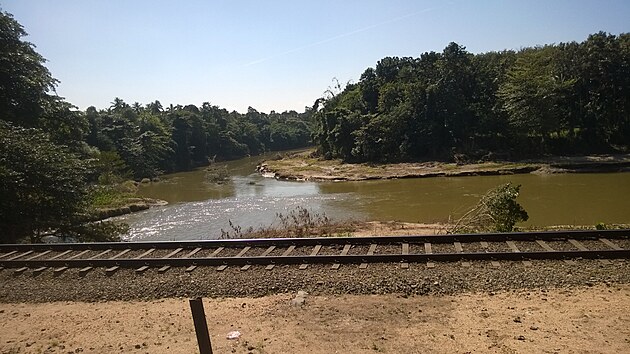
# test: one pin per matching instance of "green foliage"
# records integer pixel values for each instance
(503, 208)
(565, 98)
(497, 210)
(25, 80)
(111, 196)
(43, 188)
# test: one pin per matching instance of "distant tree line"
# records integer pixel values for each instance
(566, 98)
(150, 139)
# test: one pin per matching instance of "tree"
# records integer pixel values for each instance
(43, 187)
(24, 80)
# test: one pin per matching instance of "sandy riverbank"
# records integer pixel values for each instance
(580, 320)
(302, 166)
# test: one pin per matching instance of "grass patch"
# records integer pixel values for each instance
(113, 196)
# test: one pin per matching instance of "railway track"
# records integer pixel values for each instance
(335, 251)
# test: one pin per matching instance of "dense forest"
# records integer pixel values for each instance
(149, 140)
(54, 158)
(566, 98)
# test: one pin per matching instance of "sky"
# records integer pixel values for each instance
(274, 55)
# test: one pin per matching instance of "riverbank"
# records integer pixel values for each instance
(303, 166)
(584, 319)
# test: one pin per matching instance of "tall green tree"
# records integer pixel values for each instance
(43, 188)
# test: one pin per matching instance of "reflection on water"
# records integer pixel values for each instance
(199, 210)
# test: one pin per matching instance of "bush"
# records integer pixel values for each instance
(497, 210)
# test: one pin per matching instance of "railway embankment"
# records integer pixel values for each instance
(408, 265)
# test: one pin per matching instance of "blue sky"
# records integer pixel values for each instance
(274, 55)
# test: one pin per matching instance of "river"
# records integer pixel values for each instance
(199, 210)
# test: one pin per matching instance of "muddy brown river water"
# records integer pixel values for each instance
(199, 210)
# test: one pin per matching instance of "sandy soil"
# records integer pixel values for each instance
(585, 320)
(398, 228)
(302, 166)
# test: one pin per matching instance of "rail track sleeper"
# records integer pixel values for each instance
(460, 249)
(346, 249)
(284, 254)
(37, 271)
(610, 244)
(405, 251)
(101, 254)
(173, 253)
(314, 252)
(163, 269)
(190, 268)
(111, 270)
(59, 270)
(221, 268)
(515, 249)
(148, 252)
(546, 246)
(370, 252)
(20, 270)
(60, 254)
(8, 254)
(122, 253)
(20, 255)
(142, 269)
(486, 247)
(38, 255)
(76, 255)
(577, 244)
(243, 251)
(429, 250)
(268, 251)
(288, 251)
(245, 267)
(193, 252)
(85, 270)
(216, 252)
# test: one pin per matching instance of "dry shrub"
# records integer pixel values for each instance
(299, 222)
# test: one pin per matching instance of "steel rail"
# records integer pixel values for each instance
(325, 241)
(318, 259)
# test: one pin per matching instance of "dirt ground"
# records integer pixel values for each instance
(585, 320)
(303, 166)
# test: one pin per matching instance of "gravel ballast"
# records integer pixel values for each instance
(444, 279)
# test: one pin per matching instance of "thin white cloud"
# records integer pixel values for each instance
(334, 38)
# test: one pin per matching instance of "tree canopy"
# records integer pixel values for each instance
(566, 98)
